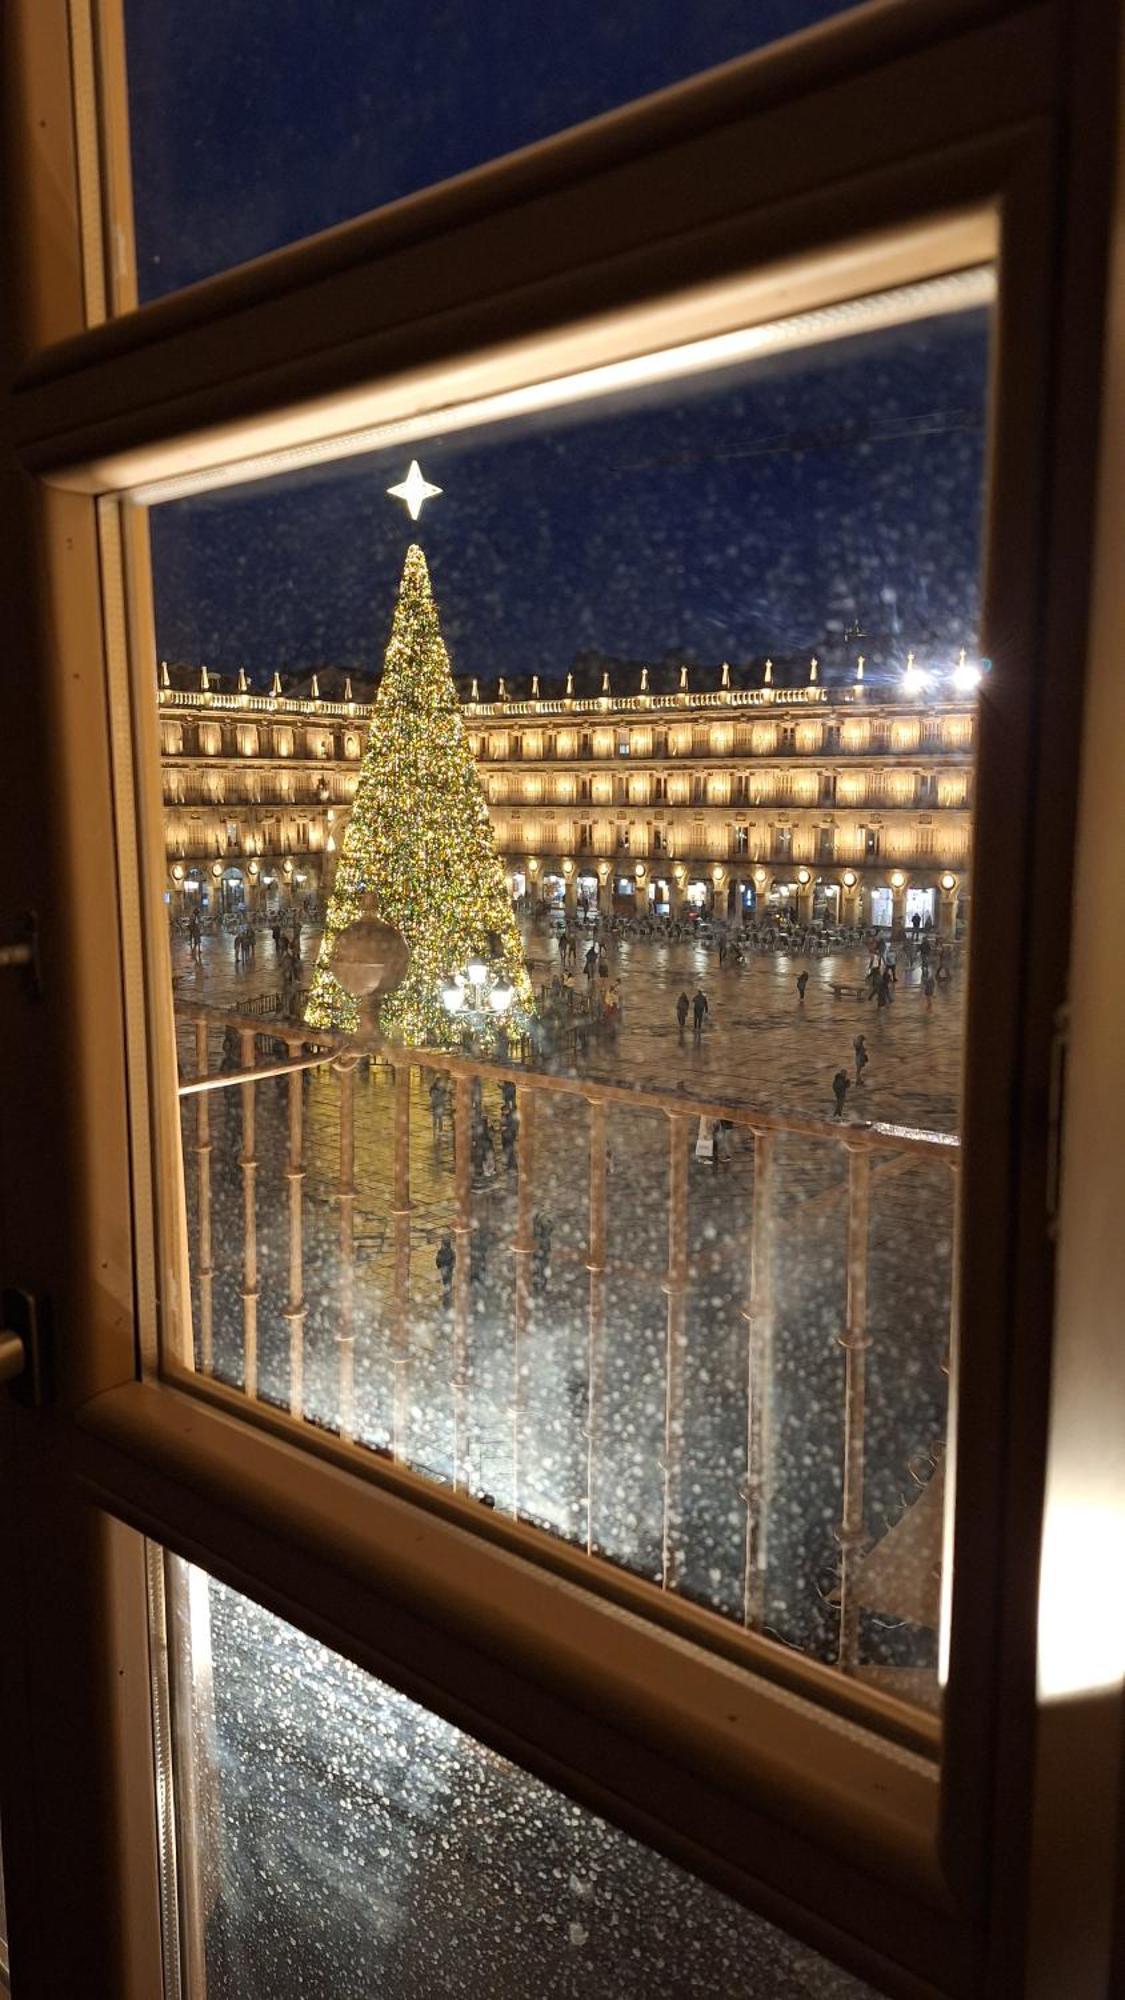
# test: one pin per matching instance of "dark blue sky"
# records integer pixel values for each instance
(255, 122)
(731, 521)
(724, 522)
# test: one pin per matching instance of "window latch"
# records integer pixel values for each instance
(23, 1351)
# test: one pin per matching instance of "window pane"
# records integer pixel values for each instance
(618, 1194)
(336, 1838)
(257, 124)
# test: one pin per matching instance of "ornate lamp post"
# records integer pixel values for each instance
(478, 997)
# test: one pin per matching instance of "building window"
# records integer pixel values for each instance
(741, 840)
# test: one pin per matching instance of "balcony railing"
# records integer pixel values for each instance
(724, 1375)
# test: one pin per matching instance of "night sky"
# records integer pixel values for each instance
(721, 521)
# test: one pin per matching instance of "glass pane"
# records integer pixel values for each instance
(627, 965)
(257, 124)
(338, 1839)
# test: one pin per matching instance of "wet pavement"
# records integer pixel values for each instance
(575, 1440)
(761, 1045)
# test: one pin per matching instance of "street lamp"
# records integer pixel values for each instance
(477, 993)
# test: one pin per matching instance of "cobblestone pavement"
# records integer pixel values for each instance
(761, 1045)
(763, 1049)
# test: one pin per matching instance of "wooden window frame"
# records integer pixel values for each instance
(918, 116)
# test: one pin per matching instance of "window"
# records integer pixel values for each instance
(322, 1788)
(737, 1722)
(741, 840)
(305, 159)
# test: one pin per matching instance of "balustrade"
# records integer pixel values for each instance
(378, 1314)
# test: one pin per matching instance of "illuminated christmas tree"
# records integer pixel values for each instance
(418, 852)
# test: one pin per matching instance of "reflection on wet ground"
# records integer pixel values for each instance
(614, 1408)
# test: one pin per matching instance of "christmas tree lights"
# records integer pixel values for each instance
(419, 842)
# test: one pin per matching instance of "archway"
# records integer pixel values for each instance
(232, 892)
(920, 903)
(826, 901)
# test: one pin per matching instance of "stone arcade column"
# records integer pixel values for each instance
(570, 892)
(804, 895)
(948, 894)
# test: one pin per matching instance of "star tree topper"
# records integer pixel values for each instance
(415, 490)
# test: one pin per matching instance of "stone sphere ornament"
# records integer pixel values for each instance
(370, 961)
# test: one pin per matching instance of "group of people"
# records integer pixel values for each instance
(489, 1143)
(481, 1241)
(698, 1008)
(245, 941)
(842, 1082)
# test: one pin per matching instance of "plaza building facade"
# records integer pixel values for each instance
(738, 792)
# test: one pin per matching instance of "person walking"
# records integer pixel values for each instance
(802, 984)
(700, 1009)
(509, 1126)
(861, 1057)
(195, 936)
(683, 1009)
(445, 1260)
(841, 1084)
(928, 983)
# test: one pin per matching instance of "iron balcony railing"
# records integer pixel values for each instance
(814, 1189)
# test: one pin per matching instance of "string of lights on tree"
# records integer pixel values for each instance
(419, 850)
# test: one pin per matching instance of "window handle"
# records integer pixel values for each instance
(23, 1348)
(25, 953)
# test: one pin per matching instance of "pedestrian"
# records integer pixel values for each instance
(861, 1057)
(802, 983)
(480, 1243)
(683, 1009)
(509, 1125)
(700, 1009)
(722, 952)
(928, 989)
(916, 923)
(542, 1231)
(841, 1084)
(275, 933)
(445, 1260)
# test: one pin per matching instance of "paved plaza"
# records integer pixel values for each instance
(761, 1046)
(533, 1438)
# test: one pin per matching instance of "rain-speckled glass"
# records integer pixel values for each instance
(623, 941)
(253, 125)
(338, 1840)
